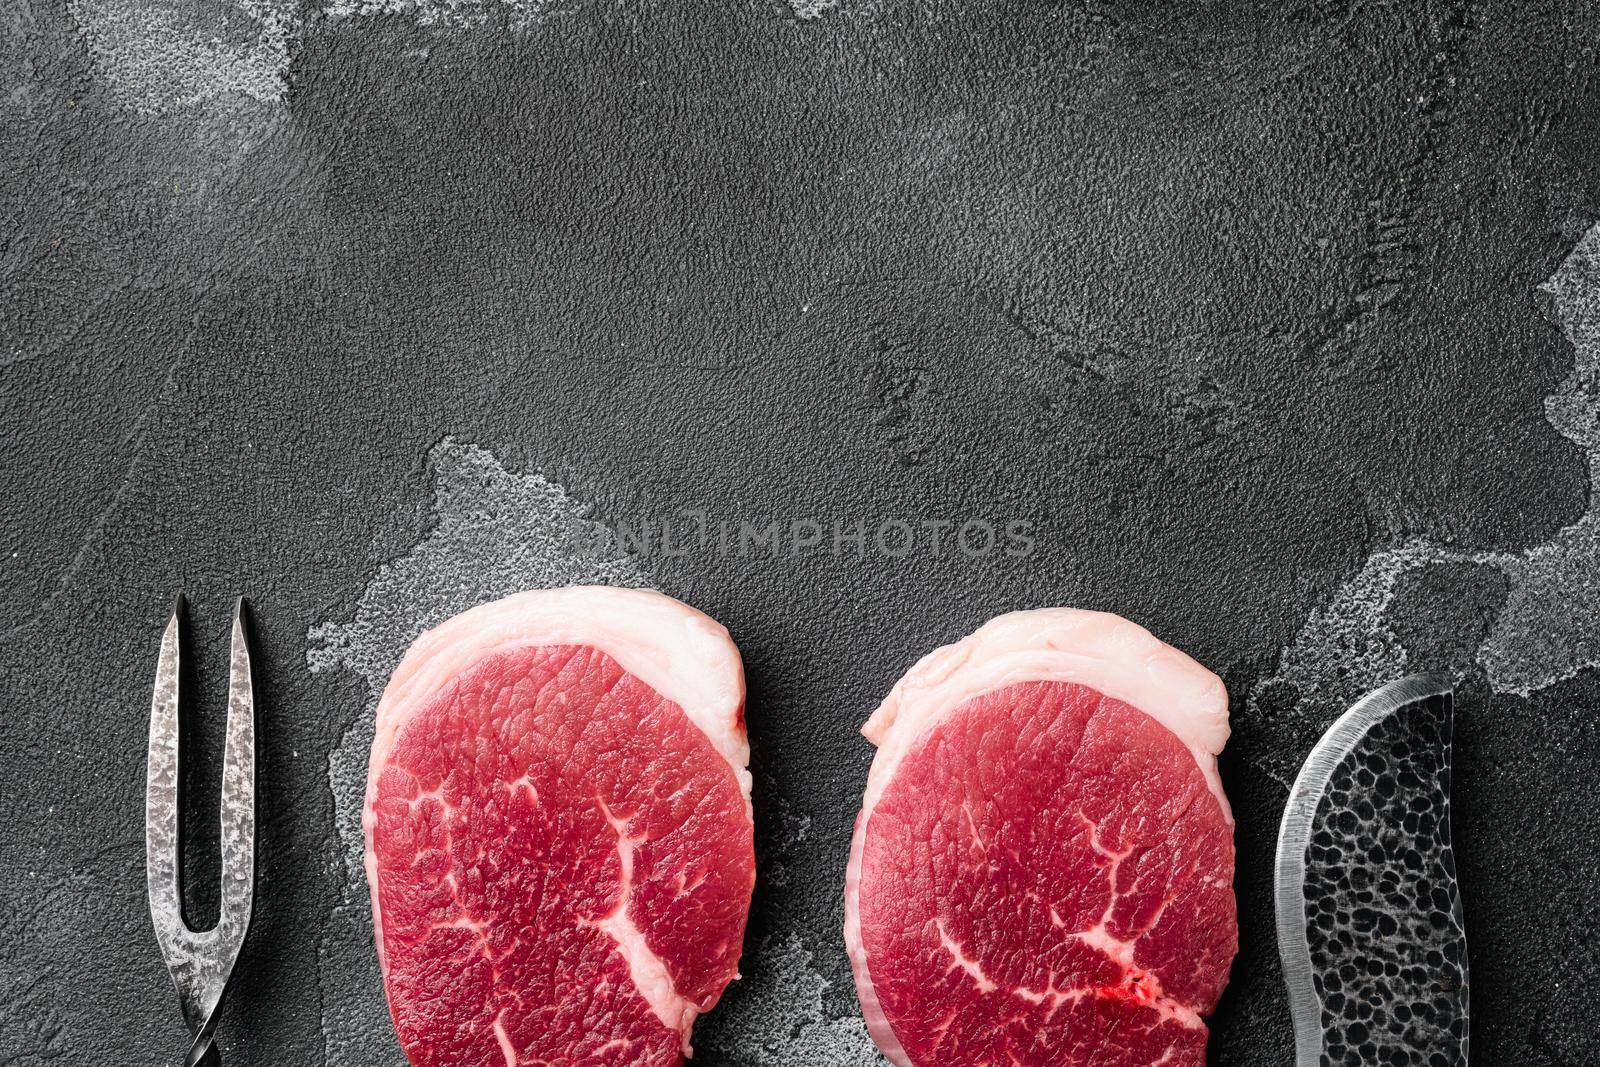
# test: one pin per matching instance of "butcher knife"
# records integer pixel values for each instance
(1370, 925)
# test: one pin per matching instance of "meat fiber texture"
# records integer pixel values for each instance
(559, 841)
(1042, 868)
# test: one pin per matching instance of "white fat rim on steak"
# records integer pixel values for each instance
(1104, 652)
(683, 654)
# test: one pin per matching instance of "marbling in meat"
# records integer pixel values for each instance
(1042, 868)
(558, 831)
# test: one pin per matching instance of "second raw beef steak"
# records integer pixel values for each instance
(1042, 869)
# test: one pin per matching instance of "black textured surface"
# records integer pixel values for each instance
(1222, 300)
(1384, 921)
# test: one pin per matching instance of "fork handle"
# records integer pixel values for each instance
(204, 1051)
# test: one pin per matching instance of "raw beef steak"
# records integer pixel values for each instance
(558, 831)
(1043, 864)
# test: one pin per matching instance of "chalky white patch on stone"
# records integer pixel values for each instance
(160, 55)
(806, 10)
(462, 14)
(163, 55)
(1549, 627)
(777, 1017)
(494, 532)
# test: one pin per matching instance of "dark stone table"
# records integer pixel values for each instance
(1276, 327)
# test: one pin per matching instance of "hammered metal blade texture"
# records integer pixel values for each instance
(1371, 928)
(201, 963)
(161, 805)
(238, 800)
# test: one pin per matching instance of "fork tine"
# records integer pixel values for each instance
(238, 796)
(162, 794)
(201, 963)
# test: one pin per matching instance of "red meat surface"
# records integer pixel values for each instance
(1043, 880)
(561, 864)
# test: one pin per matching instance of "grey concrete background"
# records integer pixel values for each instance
(1280, 323)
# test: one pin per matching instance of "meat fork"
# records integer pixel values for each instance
(201, 963)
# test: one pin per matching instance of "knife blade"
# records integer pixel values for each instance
(1370, 924)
